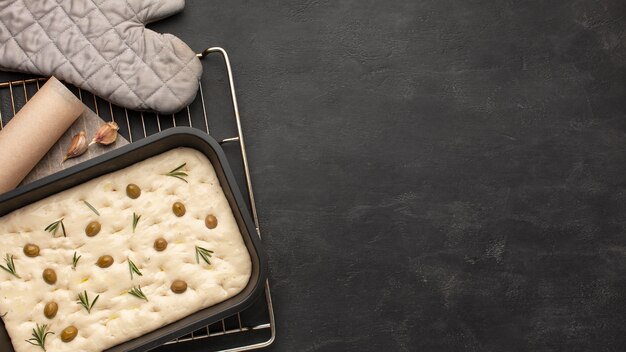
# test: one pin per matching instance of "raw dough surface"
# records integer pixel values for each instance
(118, 316)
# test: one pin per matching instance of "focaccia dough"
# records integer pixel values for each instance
(118, 316)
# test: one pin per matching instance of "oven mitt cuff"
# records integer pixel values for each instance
(102, 46)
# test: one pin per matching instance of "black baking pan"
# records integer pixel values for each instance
(126, 156)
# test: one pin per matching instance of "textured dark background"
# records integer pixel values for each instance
(434, 175)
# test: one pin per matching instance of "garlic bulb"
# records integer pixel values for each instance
(77, 147)
(107, 134)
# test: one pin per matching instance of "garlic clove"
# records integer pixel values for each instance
(77, 147)
(106, 134)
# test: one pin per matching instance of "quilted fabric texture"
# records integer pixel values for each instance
(102, 46)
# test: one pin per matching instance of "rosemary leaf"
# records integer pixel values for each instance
(203, 253)
(83, 300)
(91, 207)
(135, 221)
(54, 227)
(75, 260)
(133, 269)
(137, 292)
(10, 266)
(178, 168)
(178, 174)
(39, 336)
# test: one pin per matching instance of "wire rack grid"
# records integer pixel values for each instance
(252, 328)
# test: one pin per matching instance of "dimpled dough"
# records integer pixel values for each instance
(118, 316)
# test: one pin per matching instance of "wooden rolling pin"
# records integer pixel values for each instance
(34, 130)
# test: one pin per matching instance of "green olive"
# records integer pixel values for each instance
(69, 333)
(105, 261)
(31, 250)
(160, 244)
(49, 276)
(50, 310)
(93, 228)
(179, 286)
(133, 191)
(179, 209)
(210, 221)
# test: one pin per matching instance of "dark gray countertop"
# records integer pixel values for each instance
(434, 175)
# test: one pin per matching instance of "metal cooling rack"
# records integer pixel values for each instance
(247, 330)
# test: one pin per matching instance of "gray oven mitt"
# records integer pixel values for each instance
(102, 46)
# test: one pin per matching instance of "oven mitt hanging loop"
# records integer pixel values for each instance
(102, 46)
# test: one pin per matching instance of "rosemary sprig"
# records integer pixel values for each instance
(75, 260)
(52, 228)
(39, 336)
(203, 253)
(91, 207)
(135, 221)
(83, 300)
(10, 266)
(137, 292)
(133, 269)
(178, 174)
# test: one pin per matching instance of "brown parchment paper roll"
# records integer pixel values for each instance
(34, 130)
